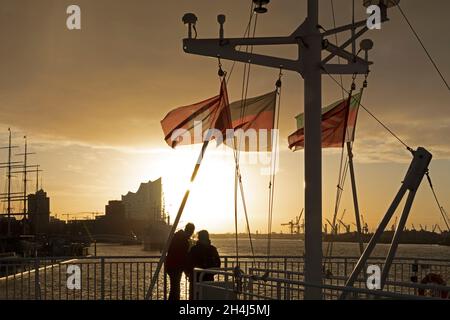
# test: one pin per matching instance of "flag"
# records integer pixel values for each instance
(190, 124)
(253, 122)
(338, 124)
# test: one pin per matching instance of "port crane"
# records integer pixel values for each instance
(394, 225)
(340, 221)
(365, 229)
(333, 228)
(346, 226)
(291, 226)
(297, 223)
(93, 214)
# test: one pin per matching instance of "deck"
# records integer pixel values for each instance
(276, 277)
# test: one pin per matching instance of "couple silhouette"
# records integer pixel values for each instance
(183, 257)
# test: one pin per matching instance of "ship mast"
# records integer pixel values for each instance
(8, 165)
(310, 65)
(25, 171)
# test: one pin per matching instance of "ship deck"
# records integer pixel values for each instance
(128, 278)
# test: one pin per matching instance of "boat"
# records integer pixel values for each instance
(132, 240)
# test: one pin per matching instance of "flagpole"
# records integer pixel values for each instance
(359, 238)
(162, 259)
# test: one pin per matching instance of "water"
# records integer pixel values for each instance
(117, 278)
(286, 247)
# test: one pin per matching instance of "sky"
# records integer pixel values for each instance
(90, 102)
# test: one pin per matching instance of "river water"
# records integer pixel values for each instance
(285, 247)
(124, 278)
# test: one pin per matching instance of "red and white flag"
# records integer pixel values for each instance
(198, 122)
(338, 124)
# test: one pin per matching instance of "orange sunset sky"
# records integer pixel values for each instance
(91, 100)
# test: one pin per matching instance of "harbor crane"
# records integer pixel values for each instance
(333, 227)
(394, 225)
(346, 226)
(297, 225)
(365, 228)
(93, 214)
(300, 226)
(297, 222)
(341, 218)
(291, 226)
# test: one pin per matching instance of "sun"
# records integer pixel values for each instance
(211, 201)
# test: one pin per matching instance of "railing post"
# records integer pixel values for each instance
(278, 290)
(37, 287)
(345, 269)
(285, 265)
(226, 266)
(415, 272)
(102, 278)
(196, 294)
(164, 281)
(287, 287)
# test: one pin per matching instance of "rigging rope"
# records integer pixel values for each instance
(423, 47)
(441, 209)
(336, 208)
(337, 44)
(273, 164)
(341, 179)
(246, 35)
(342, 173)
(236, 151)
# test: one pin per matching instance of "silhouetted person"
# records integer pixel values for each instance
(202, 255)
(177, 259)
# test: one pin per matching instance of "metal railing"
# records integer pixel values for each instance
(128, 277)
(248, 287)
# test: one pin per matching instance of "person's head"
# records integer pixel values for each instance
(203, 237)
(189, 229)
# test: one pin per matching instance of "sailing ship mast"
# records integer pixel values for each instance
(25, 171)
(8, 166)
(11, 168)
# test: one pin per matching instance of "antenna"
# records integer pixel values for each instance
(190, 19)
(260, 6)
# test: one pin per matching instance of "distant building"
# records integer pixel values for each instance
(39, 211)
(115, 210)
(146, 203)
